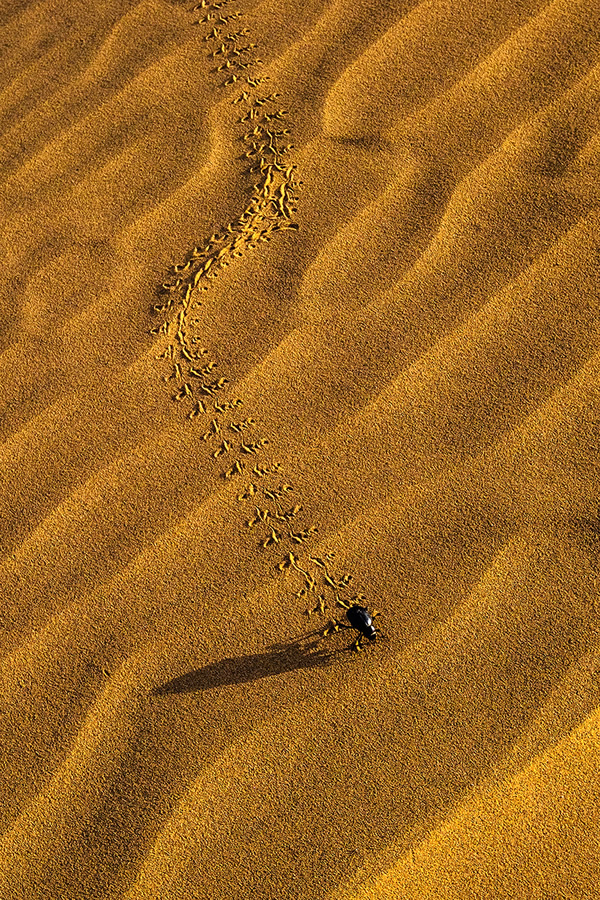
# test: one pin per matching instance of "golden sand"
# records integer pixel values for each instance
(300, 309)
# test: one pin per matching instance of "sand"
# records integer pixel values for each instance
(300, 309)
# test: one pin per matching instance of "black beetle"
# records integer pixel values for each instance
(360, 620)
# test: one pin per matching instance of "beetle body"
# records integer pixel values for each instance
(359, 618)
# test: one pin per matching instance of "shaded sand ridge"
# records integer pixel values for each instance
(300, 303)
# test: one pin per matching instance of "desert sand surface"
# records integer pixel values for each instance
(300, 308)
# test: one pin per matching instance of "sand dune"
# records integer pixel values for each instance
(299, 303)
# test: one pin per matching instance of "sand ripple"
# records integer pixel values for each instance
(394, 211)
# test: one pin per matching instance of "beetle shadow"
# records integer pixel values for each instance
(278, 658)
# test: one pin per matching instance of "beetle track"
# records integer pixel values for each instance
(269, 211)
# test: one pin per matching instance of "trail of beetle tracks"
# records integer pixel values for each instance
(269, 212)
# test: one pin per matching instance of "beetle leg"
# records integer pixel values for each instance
(357, 645)
(334, 625)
